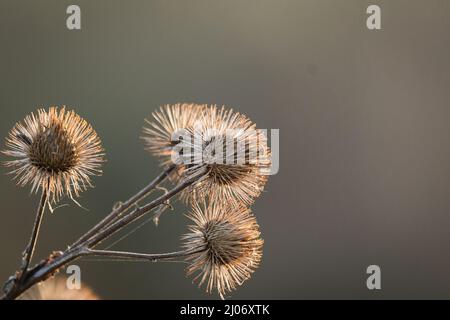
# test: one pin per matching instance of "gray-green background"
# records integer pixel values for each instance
(364, 120)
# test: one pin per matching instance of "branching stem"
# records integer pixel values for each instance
(138, 212)
(140, 256)
(114, 222)
(123, 207)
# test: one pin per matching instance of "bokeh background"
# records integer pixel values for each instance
(364, 121)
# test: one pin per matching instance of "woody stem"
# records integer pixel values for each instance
(124, 206)
(29, 250)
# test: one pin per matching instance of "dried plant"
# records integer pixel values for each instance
(236, 177)
(57, 151)
(159, 134)
(231, 243)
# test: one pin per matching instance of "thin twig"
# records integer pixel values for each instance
(41, 272)
(123, 207)
(29, 250)
(139, 256)
(139, 212)
(48, 267)
(128, 233)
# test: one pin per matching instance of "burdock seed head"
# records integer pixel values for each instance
(56, 151)
(227, 244)
(160, 133)
(234, 153)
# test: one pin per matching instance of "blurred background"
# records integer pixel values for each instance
(364, 121)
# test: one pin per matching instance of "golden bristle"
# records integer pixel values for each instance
(167, 121)
(227, 181)
(57, 151)
(229, 243)
(157, 134)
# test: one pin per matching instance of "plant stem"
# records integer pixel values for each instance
(140, 256)
(139, 212)
(41, 272)
(103, 230)
(29, 250)
(125, 206)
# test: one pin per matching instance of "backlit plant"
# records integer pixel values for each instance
(57, 153)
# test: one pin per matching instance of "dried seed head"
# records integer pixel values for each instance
(159, 131)
(56, 289)
(56, 152)
(229, 245)
(235, 154)
(159, 134)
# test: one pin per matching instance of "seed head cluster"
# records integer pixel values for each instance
(233, 159)
(224, 143)
(56, 151)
